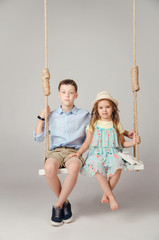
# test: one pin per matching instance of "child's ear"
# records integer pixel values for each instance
(76, 95)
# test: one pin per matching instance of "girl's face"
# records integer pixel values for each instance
(105, 110)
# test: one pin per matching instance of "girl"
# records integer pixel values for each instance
(105, 138)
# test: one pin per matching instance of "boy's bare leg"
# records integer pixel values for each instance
(73, 166)
(102, 180)
(51, 168)
(112, 183)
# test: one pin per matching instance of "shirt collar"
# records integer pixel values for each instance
(73, 110)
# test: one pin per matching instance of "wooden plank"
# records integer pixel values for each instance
(60, 171)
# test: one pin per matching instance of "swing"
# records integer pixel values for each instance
(137, 165)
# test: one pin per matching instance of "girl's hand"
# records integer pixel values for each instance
(131, 134)
(43, 112)
(77, 154)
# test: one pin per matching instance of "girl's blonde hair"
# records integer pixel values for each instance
(115, 117)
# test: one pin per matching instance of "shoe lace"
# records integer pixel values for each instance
(66, 208)
(57, 212)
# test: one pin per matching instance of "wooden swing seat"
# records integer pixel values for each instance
(60, 171)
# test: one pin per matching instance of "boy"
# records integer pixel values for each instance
(67, 126)
(67, 131)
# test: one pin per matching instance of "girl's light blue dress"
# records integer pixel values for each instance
(103, 154)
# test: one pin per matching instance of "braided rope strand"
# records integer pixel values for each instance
(46, 86)
(135, 82)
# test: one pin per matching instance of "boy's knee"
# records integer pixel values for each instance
(74, 166)
(51, 168)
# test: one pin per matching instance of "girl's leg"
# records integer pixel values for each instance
(51, 167)
(113, 180)
(73, 166)
(102, 180)
(112, 183)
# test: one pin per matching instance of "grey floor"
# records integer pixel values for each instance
(26, 203)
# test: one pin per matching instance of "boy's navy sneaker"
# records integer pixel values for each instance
(67, 213)
(57, 216)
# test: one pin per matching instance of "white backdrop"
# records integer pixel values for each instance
(91, 42)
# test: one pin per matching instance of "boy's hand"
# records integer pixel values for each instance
(43, 112)
(77, 154)
(131, 134)
(137, 139)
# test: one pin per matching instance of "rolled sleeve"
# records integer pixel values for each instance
(39, 137)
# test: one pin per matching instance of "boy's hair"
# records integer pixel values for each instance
(68, 82)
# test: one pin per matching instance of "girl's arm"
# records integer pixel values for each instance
(84, 146)
(86, 143)
(128, 144)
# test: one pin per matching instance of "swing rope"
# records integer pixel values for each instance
(135, 82)
(46, 86)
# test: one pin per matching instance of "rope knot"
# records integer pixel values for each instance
(45, 81)
(134, 79)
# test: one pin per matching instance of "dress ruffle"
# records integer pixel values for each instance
(103, 154)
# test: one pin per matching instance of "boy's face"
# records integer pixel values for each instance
(67, 95)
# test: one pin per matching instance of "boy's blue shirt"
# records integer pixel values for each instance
(66, 129)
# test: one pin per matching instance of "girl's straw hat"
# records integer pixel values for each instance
(105, 95)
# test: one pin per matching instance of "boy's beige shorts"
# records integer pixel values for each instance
(61, 155)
